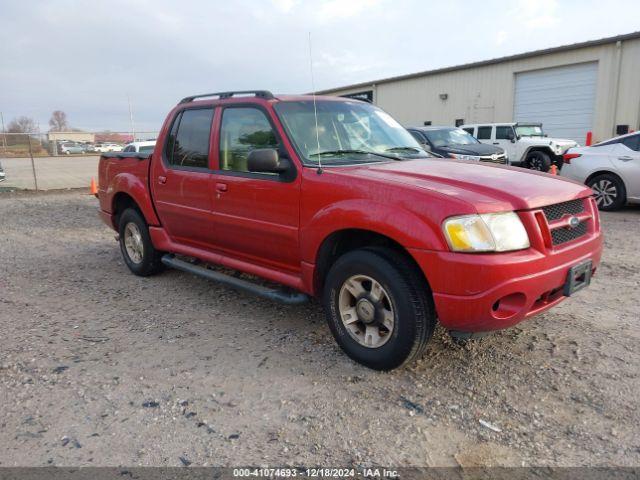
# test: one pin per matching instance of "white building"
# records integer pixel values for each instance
(572, 89)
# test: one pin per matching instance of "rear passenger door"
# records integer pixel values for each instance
(626, 159)
(180, 178)
(256, 214)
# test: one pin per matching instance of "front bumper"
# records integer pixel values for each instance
(484, 292)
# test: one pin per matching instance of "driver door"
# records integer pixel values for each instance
(256, 214)
(502, 138)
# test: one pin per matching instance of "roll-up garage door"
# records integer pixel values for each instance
(561, 98)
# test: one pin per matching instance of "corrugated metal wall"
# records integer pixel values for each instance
(486, 93)
(562, 98)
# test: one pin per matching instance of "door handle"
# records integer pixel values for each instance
(625, 158)
(496, 143)
(221, 187)
(162, 179)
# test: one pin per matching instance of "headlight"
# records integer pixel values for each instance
(489, 232)
(465, 157)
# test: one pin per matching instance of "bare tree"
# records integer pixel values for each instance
(58, 121)
(22, 125)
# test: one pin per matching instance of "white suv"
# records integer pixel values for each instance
(525, 143)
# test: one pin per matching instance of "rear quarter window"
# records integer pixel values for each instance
(189, 138)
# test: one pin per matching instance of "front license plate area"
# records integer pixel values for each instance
(579, 277)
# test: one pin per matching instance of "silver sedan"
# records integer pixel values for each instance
(610, 168)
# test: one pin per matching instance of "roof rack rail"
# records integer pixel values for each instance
(258, 93)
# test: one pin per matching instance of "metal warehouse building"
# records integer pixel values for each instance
(572, 89)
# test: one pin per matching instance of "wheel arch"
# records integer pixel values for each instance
(538, 148)
(128, 190)
(603, 171)
(121, 201)
(346, 240)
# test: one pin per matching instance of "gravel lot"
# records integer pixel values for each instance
(99, 367)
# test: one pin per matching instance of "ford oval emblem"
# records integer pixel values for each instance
(574, 222)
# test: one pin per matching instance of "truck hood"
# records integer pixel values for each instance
(487, 188)
(475, 149)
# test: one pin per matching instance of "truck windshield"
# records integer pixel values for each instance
(449, 136)
(347, 132)
(529, 131)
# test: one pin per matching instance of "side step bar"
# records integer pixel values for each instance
(290, 298)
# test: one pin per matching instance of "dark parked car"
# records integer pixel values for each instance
(453, 142)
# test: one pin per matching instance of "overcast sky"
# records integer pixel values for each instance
(85, 57)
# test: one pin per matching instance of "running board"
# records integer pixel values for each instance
(290, 298)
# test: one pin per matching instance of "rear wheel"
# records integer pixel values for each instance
(379, 309)
(609, 191)
(538, 161)
(135, 244)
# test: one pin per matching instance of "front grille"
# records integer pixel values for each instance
(557, 211)
(565, 234)
(500, 159)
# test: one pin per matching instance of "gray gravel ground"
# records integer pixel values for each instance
(99, 367)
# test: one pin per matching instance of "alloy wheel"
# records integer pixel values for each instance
(366, 311)
(605, 191)
(133, 242)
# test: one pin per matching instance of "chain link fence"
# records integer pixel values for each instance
(58, 160)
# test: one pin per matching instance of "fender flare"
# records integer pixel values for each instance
(537, 147)
(138, 190)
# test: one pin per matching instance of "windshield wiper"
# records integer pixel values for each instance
(347, 152)
(403, 149)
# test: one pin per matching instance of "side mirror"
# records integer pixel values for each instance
(512, 136)
(266, 160)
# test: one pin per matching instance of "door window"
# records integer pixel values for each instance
(469, 130)
(418, 136)
(503, 133)
(243, 129)
(484, 133)
(189, 139)
(632, 142)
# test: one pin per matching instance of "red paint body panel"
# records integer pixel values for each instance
(275, 229)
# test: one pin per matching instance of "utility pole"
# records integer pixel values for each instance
(4, 137)
(133, 130)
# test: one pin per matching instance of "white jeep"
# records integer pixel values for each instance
(525, 143)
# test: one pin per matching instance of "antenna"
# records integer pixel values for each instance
(133, 130)
(315, 109)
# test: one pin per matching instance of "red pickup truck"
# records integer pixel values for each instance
(331, 197)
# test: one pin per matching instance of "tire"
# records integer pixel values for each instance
(539, 161)
(403, 296)
(135, 244)
(609, 190)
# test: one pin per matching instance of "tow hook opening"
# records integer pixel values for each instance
(509, 305)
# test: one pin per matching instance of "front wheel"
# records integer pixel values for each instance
(379, 308)
(538, 161)
(135, 244)
(609, 191)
